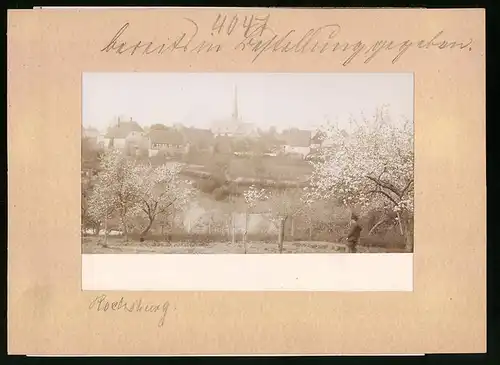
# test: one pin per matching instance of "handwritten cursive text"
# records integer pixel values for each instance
(254, 35)
(102, 304)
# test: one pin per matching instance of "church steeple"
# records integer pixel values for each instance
(236, 116)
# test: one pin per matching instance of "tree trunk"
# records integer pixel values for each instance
(408, 233)
(292, 228)
(233, 228)
(245, 233)
(409, 240)
(281, 234)
(310, 231)
(125, 229)
(148, 227)
(106, 231)
(97, 228)
(400, 224)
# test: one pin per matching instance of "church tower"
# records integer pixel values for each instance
(236, 116)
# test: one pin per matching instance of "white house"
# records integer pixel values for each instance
(331, 142)
(295, 142)
(117, 135)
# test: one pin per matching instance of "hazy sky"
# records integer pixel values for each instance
(284, 100)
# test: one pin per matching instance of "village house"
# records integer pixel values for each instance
(223, 128)
(223, 145)
(101, 140)
(317, 140)
(246, 130)
(117, 136)
(91, 136)
(331, 142)
(136, 144)
(200, 140)
(295, 142)
(90, 133)
(170, 141)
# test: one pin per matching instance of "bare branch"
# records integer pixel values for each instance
(165, 207)
(376, 225)
(382, 173)
(385, 194)
(385, 184)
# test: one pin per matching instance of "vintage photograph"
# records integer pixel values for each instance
(247, 163)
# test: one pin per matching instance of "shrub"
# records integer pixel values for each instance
(389, 240)
(208, 185)
(220, 193)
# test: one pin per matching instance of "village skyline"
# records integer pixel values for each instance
(282, 101)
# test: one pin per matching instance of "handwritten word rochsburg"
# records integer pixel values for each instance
(102, 304)
(256, 37)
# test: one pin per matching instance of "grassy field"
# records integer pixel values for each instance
(91, 245)
(281, 167)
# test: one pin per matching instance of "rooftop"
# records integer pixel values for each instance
(166, 136)
(296, 138)
(123, 129)
(198, 136)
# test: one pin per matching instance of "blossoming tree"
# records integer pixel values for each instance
(252, 196)
(114, 191)
(158, 190)
(283, 205)
(130, 190)
(370, 167)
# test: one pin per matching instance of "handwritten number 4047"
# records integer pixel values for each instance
(253, 25)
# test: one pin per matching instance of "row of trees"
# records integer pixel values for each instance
(127, 190)
(369, 169)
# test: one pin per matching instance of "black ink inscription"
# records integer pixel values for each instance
(253, 34)
(306, 42)
(252, 25)
(184, 42)
(325, 39)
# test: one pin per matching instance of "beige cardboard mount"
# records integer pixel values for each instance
(48, 50)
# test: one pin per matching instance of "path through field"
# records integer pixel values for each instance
(117, 246)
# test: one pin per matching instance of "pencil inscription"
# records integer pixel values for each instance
(101, 303)
(254, 35)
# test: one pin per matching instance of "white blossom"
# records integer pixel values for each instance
(366, 167)
(129, 189)
(254, 195)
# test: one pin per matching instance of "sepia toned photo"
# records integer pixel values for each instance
(255, 163)
(250, 187)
